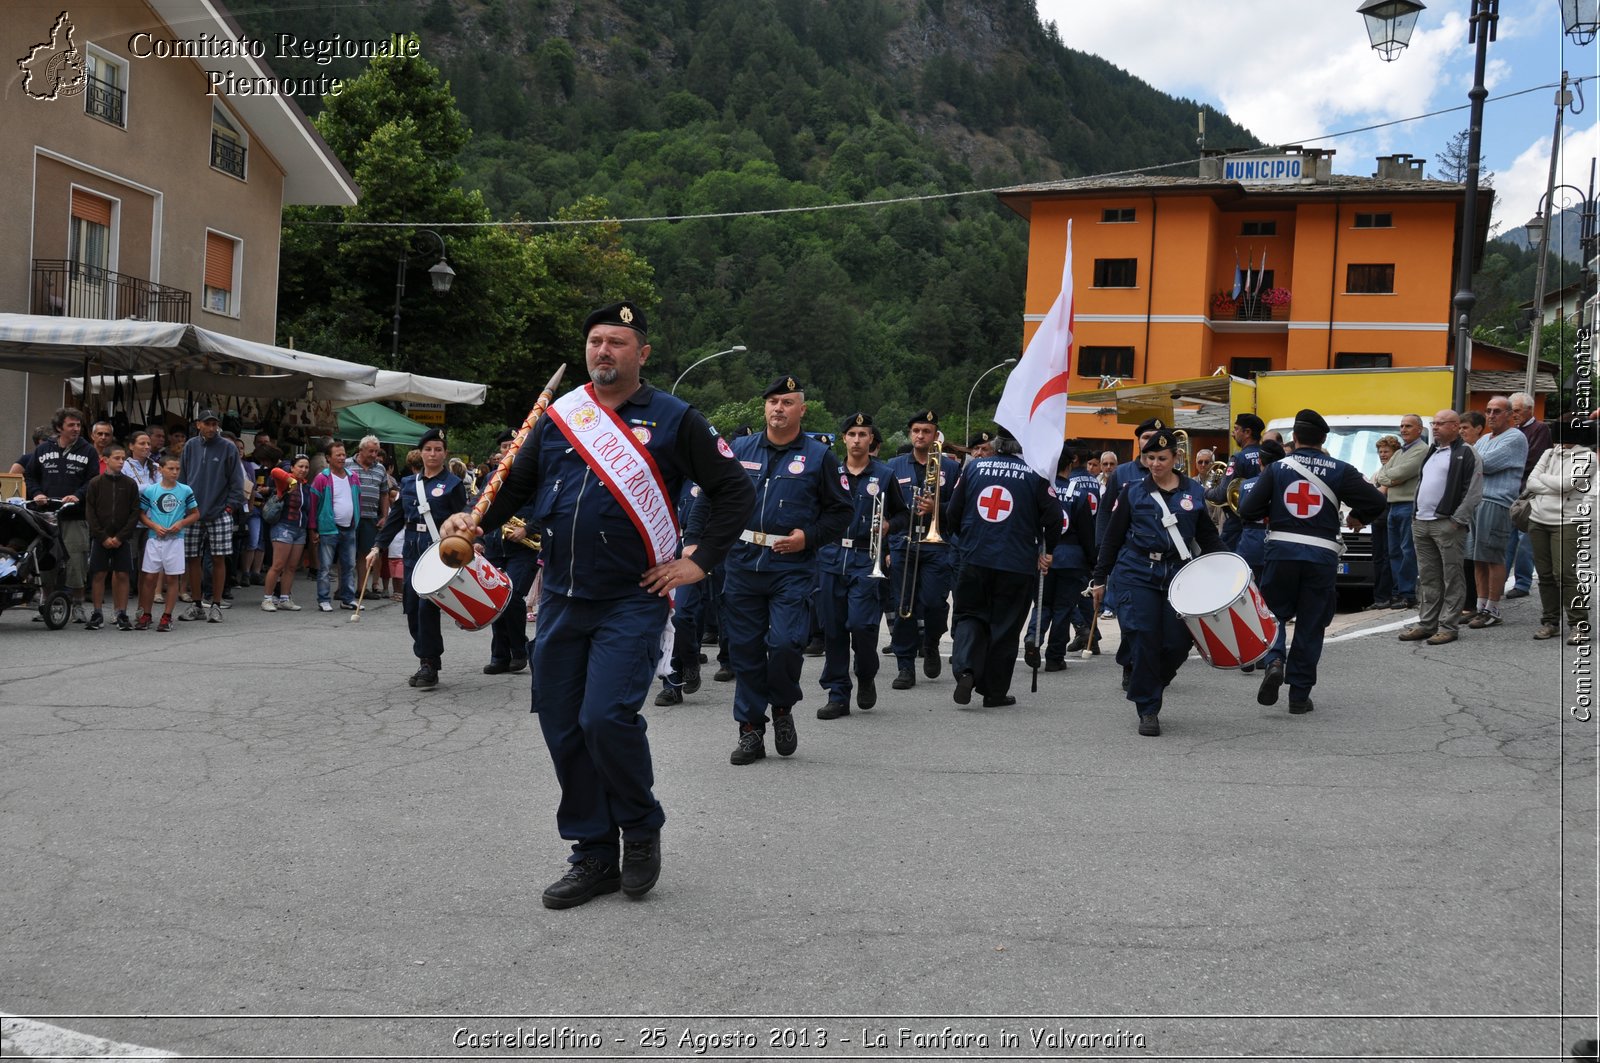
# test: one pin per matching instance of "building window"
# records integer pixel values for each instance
(222, 274)
(1249, 367)
(1375, 221)
(1258, 228)
(1117, 214)
(1106, 361)
(228, 144)
(1116, 272)
(1369, 279)
(106, 88)
(1362, 360)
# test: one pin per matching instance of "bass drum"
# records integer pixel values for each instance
(1216, 597)
(473, 595)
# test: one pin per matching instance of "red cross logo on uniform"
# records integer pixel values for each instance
(1303, 500)
(1094, 503)
(994, 505)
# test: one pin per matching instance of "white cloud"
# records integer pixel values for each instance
(1520, 187)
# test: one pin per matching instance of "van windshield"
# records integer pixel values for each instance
(1356, 444)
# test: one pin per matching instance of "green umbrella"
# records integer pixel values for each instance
(375, 419)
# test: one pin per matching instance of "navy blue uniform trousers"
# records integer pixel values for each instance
(848, 606)
(422, 616)
(1158, 642)
(936, 573)
(769, 622)
(991, 606)
(1302, 591)
(509, 639)
(593, 664)
(1065, 608)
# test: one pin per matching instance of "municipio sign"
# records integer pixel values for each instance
(1265, 169)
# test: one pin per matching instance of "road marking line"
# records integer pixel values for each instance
(27, 1039)
(1380, 629)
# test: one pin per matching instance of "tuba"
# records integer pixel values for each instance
(1183, 451)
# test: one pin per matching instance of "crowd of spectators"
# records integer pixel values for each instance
(184, 520)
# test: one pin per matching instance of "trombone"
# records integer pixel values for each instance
(914, 542)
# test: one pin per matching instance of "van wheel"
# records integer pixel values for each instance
(56, 610)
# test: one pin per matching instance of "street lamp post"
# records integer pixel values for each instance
(1539, 229)
(736, 348)
(974, 388)
(439, 274)
(1389, 25)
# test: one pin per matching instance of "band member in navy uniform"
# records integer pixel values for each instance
(1300, 498)
(935, 569)
(800, 507)
(1078, 492)
(509, 550)
(445, 495)
(849, 598)
(1243, 464)
(1140, 552)
(688, 613)
(1003, 511)
(1126, 472)
(603, 467)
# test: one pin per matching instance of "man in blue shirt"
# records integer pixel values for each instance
(800, 507)
(1300, 498)
(1003, 511)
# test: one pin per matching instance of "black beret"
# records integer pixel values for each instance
(877, 437)
(1272, 451)
(1312, 420)
(505, 437)
(856, 420)
(825, 438)
(1150, 425)
(1252, 422)
(924, 417)
(429, 436)
(979, 439)
(784, 385)
(624, 313)
(1162, 440)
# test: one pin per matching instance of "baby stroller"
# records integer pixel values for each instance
(33, 563)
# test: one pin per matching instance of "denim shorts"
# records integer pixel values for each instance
(288, 534)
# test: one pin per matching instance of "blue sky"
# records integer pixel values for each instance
(1291, 70)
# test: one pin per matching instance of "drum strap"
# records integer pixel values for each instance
(425, 509)
(1169, 522)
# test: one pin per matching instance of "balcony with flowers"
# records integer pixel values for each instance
(1247, 310)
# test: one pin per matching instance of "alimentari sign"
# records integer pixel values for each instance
(1265, 169)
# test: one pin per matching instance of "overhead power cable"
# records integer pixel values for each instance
(923, 198)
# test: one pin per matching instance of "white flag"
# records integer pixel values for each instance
(1034, 406)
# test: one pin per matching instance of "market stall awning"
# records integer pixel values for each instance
(34, 343)
(374, 419)
(193, 359)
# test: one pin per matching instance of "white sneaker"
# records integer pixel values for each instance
(287, 604)
(326, 607)
(161, 599)
(268, 605)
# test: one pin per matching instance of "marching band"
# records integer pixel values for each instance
(640, 514)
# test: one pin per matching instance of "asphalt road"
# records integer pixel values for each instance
(258, 833)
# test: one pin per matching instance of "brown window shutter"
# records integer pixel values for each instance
(219, 262)
(90, 207)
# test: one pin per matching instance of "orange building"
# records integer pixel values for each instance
(1261, 263)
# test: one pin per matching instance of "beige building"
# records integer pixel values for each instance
(132, 190)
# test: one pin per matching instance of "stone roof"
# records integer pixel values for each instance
(1337, 184)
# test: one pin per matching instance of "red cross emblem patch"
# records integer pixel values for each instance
(1303, 499)
(994, 505)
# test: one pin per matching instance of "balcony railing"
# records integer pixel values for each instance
(227, 155)
(103, 100)
(73, 289)
(1270, 305)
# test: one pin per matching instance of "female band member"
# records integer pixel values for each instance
(1141, 549)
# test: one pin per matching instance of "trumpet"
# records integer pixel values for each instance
(875, 540)
(914, 542)
(532, 542)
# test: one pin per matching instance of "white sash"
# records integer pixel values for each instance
(629, 472)
(422, 505)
